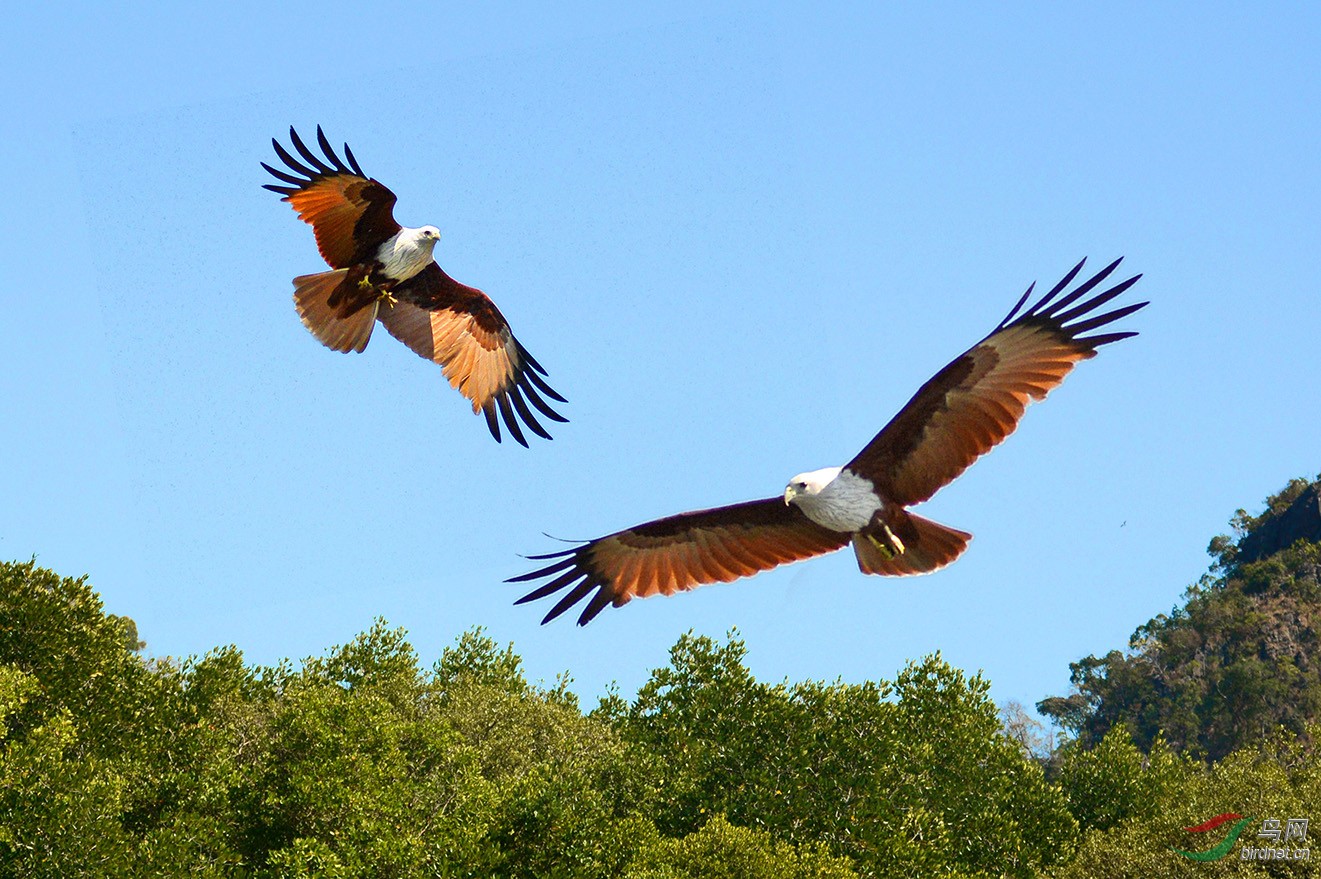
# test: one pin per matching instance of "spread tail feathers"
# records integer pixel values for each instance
(926, 546)
(312, 295)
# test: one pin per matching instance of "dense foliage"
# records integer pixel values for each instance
(365, 762)
(1240, 659)
(1133, 806)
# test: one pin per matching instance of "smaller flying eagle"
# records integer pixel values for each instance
(383, 271)
(959, 415)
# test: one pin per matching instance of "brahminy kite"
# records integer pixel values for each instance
(963, 412)
(384, 271)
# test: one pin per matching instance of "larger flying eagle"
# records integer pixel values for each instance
(383, 271)
(963, 412)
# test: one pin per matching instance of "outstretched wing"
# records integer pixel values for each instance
(460, 328)
(350, 213)
(976, 401)
(680, 553)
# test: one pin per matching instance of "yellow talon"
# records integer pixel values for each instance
(364, 284)
(894, 539)
(388, 298)
(885, 550)
(894, 547)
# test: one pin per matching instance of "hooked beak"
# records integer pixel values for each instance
(789, 494)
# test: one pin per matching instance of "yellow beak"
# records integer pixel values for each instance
(789, 494)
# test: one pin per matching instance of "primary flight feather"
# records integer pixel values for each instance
(960, 414)
(383, 271)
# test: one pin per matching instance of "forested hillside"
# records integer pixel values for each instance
(370, 761)
(1240, 658)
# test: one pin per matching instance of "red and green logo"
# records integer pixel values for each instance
(1217, 852)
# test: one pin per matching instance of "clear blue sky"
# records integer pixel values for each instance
(739, 240)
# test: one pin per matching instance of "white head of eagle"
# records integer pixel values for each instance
(408, 252)
(834, 497)
(809, 484)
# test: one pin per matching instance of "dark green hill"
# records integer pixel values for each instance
(1239, 659)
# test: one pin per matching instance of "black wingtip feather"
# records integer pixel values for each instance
(319, 169)
(353, 163)
(567, 570)
(291, 161)
(507, 413)
(1013, 311)
(1094, 303)
(552, 587)
(1086, 306)
(1102, 319)
(556, 555)
(575, 595)
(1036, 308)
(555, 568)
(526, 414)
(281, 175)
(329, 151)
(492, 424)
(595, 606)
(1053, 312)
(1068, 279)
(316, 161)
(542, 386)
(542, 406)
(532, 361)
(1107, 338)
(1073, 319)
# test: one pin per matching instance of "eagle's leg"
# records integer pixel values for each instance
(373, 286)
(354, 293)
(383, 295)
(891, 545)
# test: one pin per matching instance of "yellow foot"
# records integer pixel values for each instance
(895, 541)
(885, 550)
(388, 299)
(894, 547)
(364, 284)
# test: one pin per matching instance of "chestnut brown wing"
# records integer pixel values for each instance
(460, 328)
(977, 400)
(351, 214)
(679, 553)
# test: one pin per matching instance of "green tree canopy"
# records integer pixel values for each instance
(907, 776)
(364, 761)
